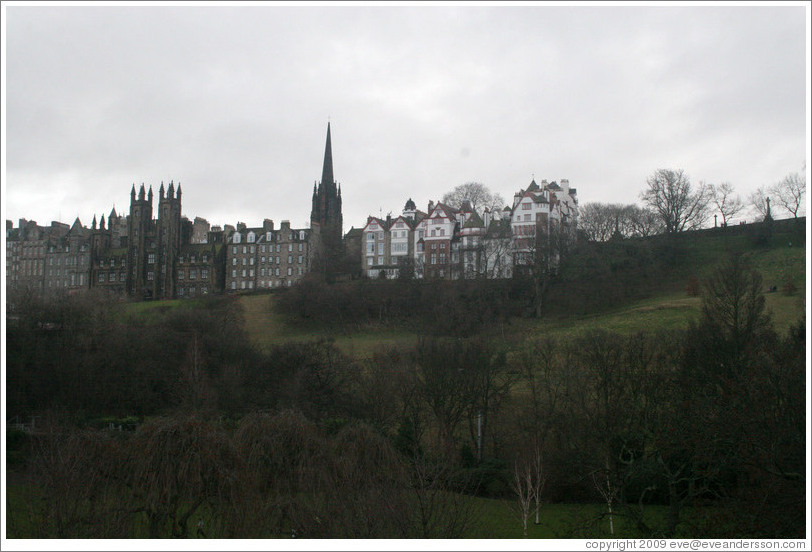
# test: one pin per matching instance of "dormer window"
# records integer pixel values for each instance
(251, 237)
(237, 237)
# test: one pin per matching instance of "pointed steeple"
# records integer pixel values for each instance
(327, 171)
(142, 192)
(161, 192)
(113, 214)
(179, 192)
(150, 194)
(132, 193)
(101, 224)
(93, 224)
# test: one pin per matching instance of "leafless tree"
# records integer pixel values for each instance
(790, 192)
(644, 222)
(528, 483)
(522, 484)
(480, 196)
(679, 205)
(727, 204)
(760, 201)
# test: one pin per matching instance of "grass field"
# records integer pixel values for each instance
(489, 519)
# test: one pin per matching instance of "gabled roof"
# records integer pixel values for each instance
(474, 221)
(380, 222)
(448, 211)
(533, 186)
(553, 186)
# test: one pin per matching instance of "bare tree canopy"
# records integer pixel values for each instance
(679, 205)
(603, 221)
(760, 202)
(728, 205)
(480, 196)
(790, 192)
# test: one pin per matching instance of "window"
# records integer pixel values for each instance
(150, 259)
(290, 271)
(380, 248)
(180, 292)
(290, 247)
(380, 260)
(300, 259)
(251, 262)
(150, 275)
(244, 250)
(181, 274)
(112, 263)
(290, 259)
(301, 246)
(244, 261)
(192, 274)
(262, 272)
(102, 276)
(525, 206)
(234, 250)
(251, 237)
(253, 249)
(243, 273)
(204, 274)
(233, 285)
(234, 273)
(371, 247)
(369, 261)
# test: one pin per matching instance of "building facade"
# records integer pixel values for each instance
(450, 243)
(169, 256)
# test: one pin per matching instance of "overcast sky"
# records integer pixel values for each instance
(233, 103)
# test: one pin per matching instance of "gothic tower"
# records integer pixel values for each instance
(138, 224)
(326, 220)
(169, 240)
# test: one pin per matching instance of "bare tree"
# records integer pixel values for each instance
(522, 485)
(728, 205)
(643, 222)
(477, 193)
(597, 222)
(528, 483)
(679, 205)
(760, 201)
(790, 192)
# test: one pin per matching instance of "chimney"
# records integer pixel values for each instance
(267, 225)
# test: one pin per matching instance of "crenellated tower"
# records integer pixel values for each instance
(169, 241)
(138, 226)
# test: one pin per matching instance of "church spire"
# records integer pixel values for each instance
(327, 171)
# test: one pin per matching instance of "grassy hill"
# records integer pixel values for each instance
(650, 299)
(662, 303)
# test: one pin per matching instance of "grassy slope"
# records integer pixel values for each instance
(671, 308)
